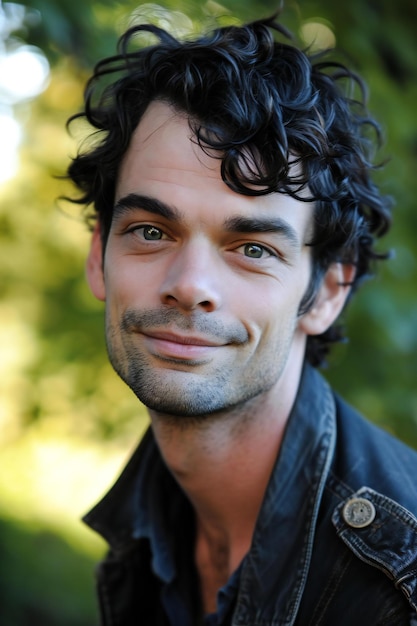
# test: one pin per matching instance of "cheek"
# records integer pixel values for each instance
(273, 319)
(127, 283)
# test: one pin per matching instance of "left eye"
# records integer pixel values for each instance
(255, 251)
(151, 233)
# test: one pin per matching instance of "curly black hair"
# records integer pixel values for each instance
(262, 106)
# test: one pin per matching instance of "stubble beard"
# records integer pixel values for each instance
(193, 398)
(184, 397)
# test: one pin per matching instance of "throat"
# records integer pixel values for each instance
(215, 564)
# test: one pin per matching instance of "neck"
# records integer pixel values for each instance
(223, 463)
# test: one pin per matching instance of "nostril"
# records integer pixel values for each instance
(170, 299)
(188, 304)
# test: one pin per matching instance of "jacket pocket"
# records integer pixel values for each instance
(382, 533)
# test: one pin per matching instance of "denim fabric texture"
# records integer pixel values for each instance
(335, 543)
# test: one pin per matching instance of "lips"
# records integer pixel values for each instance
(184, 347)
(182, 339)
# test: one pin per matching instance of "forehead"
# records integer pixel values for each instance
(162, 147)
(164, 161)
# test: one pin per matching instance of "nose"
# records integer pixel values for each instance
(192, 280)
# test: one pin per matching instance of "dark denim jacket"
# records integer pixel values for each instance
(335, 543)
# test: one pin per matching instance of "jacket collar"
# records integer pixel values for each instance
(140, 505)
(275, 571)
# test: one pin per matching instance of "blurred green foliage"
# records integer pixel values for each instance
(43, 580)
(54, 376)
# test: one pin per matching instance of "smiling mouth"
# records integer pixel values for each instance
(170, 346)
(186, 340)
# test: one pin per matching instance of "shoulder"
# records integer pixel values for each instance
(367, 455)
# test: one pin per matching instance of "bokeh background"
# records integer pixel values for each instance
(67, 424)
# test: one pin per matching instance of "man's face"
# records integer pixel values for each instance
(202, 285)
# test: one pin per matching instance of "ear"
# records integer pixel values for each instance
(330, 299)
(94, 265)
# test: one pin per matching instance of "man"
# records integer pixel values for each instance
(235, 214)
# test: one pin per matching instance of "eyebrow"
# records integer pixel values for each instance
(236, 224)
(136, 201)
(275, 225)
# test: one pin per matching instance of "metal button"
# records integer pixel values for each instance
(358, 512)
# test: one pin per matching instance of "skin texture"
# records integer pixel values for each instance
(202, 289)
